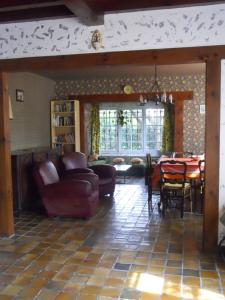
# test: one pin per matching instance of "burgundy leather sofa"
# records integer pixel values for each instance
(77, 162)
(76, 197)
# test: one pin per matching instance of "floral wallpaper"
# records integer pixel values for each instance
(194, 122)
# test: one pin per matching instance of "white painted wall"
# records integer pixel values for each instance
(31, 124)
(150, 29)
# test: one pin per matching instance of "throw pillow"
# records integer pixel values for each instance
(93, 157)
(136, 160)
(118, 160)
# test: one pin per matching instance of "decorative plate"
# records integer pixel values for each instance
(128, 89)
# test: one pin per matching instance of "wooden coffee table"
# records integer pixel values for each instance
(122, 170)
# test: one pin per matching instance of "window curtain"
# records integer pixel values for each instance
(95, 129)
(168, 129)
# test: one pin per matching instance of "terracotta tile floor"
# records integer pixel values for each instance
(121, 253)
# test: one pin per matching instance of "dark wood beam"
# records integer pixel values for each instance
(117, 5)
(113, 6)
(83, 129)
(90, 12)
(134, 97)
(13, 3)
(35, 14)
(82, 10)
(139, 58)
(6, 199)
(212, 151)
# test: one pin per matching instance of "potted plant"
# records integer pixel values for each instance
(121, 119)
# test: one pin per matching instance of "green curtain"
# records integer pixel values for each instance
(95, 129)
(168, 128)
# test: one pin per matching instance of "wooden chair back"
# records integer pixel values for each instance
(149, 161)
(173, 172)
(201, 165)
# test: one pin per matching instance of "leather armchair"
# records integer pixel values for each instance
(106, 173)
(75, 162)
(107, 178)
(77, 197)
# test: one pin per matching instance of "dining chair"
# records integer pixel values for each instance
(148, 178)
(201, 165)
(182, 154)
(198, 187)
(173, 184)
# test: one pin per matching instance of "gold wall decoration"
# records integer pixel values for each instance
(96, 40)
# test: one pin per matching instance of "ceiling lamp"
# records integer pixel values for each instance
(157, 94)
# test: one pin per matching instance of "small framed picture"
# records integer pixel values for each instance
(19, 95)
(202, 109)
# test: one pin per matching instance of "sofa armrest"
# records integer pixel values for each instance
(67, 187)
(91, 177)
(104, 170)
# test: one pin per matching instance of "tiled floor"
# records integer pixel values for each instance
(122, 253)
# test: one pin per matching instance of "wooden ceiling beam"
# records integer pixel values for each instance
(90, 12)
(116, 5)
(37, 13)
(106, 5)
(134, 97)
(82, 10)
(139, 58)
(14, 3)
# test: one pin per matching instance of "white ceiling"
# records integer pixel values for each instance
(121, 71)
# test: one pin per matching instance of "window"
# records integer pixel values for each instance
(154, 128)
(108, 130)
(141, 132)
(131, 133)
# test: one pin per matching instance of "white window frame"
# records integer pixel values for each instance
(129, 106)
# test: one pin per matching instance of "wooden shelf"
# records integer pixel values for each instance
(60, 132)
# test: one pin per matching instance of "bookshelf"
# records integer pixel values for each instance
(65, 125)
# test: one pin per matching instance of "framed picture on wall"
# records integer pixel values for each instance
(19, 95)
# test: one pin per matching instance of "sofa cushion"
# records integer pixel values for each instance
(118, 160)
(136, 160)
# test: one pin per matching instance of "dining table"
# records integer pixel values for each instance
(192, 171)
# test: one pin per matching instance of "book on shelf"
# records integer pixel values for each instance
(69, 138)
(63, 121)
(64, 107)
(68, 121)
(65, 138)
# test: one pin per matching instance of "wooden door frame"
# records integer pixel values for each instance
(211, 55)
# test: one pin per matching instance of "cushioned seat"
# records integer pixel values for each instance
(76, 197)
(106, 173)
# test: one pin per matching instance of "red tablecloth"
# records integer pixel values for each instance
(191, 173)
